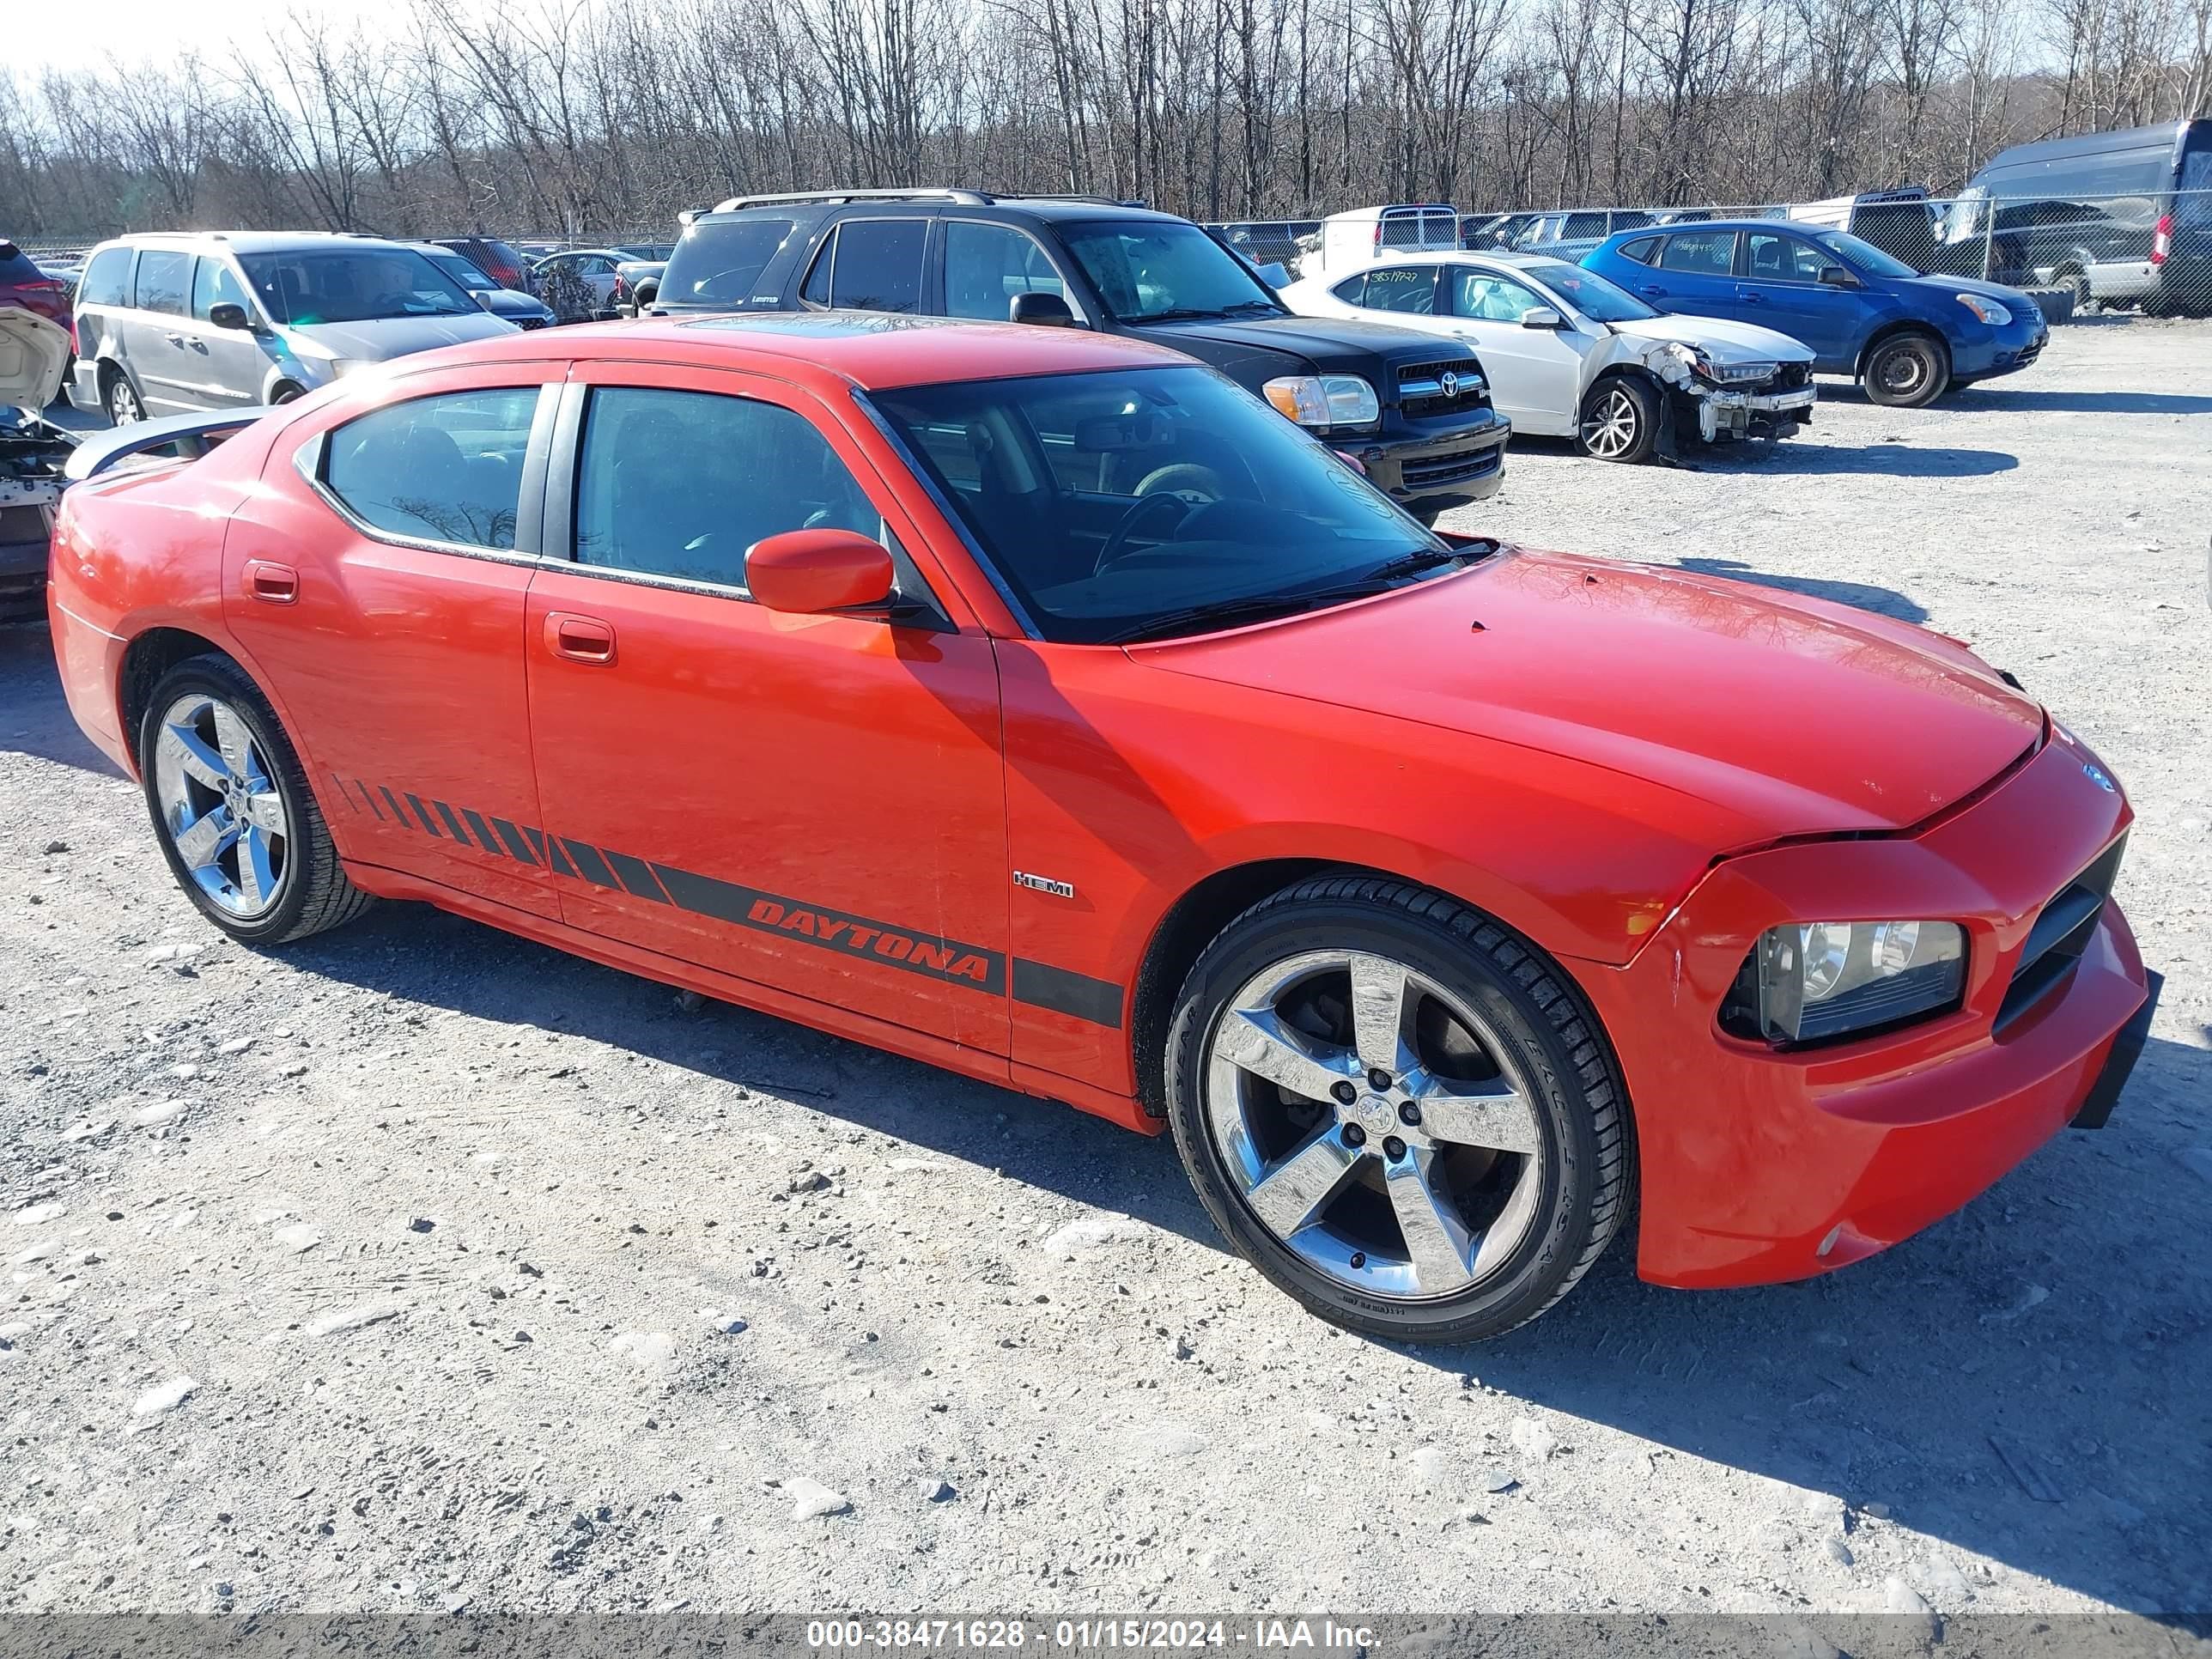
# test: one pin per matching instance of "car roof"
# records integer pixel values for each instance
(260, 241)
(1802, 226)
(871, 350)
(1056, 209)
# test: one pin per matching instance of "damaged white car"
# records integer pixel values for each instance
(1569, 354)
(33, 352)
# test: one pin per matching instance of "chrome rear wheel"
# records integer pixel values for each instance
(219, 806)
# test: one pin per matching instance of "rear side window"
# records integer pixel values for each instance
(1641, 250)
(17, 266)
(1408, 288)
(1350, 289)
(1700, 252)
(644, 502)
(447, 468)
(165, 277)
(870, 264)
(106, 279)
(720, 263)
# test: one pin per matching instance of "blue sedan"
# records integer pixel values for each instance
(1907, 336)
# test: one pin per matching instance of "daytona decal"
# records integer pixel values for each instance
(868, 942)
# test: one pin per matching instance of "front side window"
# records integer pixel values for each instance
(1785, 259)
(352, 285)
(1700, 254)
(165, 277)
(1116, 503)
(214, 285)
(986, 267)
(1847, 249)
(1165, 270)
(446, 468)
(870, 265)
(1492, 298)
(106, 279)
(1408, 288)
(647, 502)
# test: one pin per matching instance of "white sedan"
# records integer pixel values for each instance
(1569, 354)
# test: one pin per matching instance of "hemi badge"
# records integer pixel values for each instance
(1044, 884)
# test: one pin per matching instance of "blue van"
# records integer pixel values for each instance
(1908, 337)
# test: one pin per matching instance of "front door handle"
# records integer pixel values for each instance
(1653, 290)
(580, 638)
(1751, 296)
(176, 339)
(271, 583)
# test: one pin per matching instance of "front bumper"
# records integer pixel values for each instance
(2003, 352)
(1431, 472)
(1759, 1165)
(1723, 414)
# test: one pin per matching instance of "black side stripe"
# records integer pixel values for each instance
(370, 799)
(1043, 986)
(343, 790)
(1037, 984)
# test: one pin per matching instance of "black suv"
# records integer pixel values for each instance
(1412, 410)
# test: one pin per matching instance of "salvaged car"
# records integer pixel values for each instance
(1039, 703)
(34, 352)
(1569, 355)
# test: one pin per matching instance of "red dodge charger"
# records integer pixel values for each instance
(1042, 705)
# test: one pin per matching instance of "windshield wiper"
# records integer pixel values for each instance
(1268, 305)
(1253, 606)
(1181, 314)
(1220, 611)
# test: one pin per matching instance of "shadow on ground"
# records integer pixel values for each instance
(1997, 395)
(33, 718)
(2006, 1379)
(1803, 457)
(1863, 596)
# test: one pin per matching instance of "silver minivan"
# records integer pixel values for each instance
(172, 323)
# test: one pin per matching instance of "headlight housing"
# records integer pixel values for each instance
(1819, 981)
(1322, 401)
(1988, 310)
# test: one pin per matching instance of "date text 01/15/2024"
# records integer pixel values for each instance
(1084, 1635)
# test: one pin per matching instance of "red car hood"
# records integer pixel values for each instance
(1800, 716)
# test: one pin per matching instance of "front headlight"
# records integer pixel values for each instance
(1322, 401)
(1988, 310)
(1817, 980)
(342, 366)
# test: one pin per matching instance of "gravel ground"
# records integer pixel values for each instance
(419, 1267)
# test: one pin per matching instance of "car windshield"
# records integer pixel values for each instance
(1596, 297)
(1165, 270)
(1865, 255)
(353, 285)
(1153, 502)
(462, 272)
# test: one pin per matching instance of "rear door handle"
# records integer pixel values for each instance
(580, 638)
(271, 583)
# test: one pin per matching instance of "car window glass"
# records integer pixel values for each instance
(875, 265)
(447, 468)
(1351, 288)
(986, 266)
(106, 278)
(1408, 288)
(363, 283)
(2194, 208)
(213, 284)
(1700, 252)
(646, 503)
(1785, 259)
(719, 263)
(1640, 250)
(1493, 298)
(164, 276)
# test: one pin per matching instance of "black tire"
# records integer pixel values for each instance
(1620, 420)
(285, 392)
(315, 893)
(120, 398)
(1586, 1174)
(1907, 371)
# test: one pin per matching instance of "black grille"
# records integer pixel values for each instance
(1452, 469)
(531, 322)
(2062, 930)
(1421, 394)
(1791, 376)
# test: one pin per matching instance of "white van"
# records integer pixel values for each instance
(1357, 238)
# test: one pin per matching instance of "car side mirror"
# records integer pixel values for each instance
(1542, 317)
(1045, 310)
(814, 572)
(230, 315)
(1837, 276)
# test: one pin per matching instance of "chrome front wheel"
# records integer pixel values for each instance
(219, 806)
(1620, 420)
(1400, 1112)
